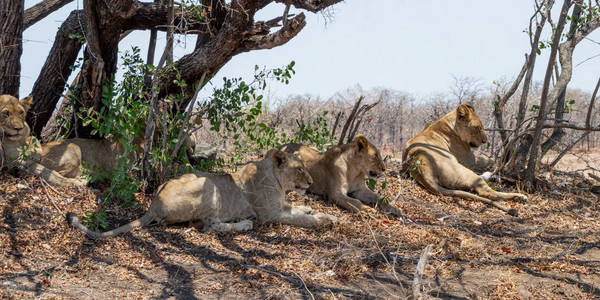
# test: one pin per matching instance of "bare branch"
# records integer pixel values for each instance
(418, 279)
(41, 10)
(267, 41)
(591, 107)
(310, 5)
(533, 152)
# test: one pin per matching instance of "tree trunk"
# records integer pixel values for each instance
(50, 84)
(104, 25)
(11, 45)
(533, 150)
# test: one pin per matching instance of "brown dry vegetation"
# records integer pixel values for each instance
(551, 250)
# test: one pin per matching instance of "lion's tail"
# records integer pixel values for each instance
(436, 188)
(144, 220)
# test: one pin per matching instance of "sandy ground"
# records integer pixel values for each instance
(551, 250)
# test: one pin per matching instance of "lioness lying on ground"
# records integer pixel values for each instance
(340, 172)
(256, 190)
(15, 135)
(97, 154)
(440, 158)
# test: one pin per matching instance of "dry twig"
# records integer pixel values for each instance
(418, 281)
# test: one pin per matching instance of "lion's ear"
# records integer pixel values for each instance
(26, 103)
(463, 111)
(361, 142)
(279, 158)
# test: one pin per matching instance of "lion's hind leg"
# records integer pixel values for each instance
(431, 183)
(484, 190)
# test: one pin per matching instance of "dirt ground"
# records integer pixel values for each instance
(550, 251)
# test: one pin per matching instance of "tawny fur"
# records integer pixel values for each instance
(340, 172)
(98, 155)
(441, 158)
(256, 190)
(15, 133)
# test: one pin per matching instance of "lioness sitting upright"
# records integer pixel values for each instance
(340, 172)
(256, 190)
(440, 158)
(19, 148)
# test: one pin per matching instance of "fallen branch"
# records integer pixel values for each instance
(418, 281)
(42, 181)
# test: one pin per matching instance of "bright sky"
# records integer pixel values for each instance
(410, 46)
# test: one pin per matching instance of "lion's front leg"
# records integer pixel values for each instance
(303, 220)
(349, 203)
(296, 209)
(53, 177)
(367, 196)
(216, 225)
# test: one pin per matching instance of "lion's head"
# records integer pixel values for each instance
(12, 117)
(367, 157)
(291, 171)
(468, 126)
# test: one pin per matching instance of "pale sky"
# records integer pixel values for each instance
(410, 46)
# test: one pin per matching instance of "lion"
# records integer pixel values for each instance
(340, 172)
(256, 190)
(97, 154)
(19, 148)
(441, 158)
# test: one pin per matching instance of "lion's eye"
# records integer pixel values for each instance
(299, 170)
(5, 113)
(22, 112)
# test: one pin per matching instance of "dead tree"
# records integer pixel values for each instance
(524, 147)
(356, 116)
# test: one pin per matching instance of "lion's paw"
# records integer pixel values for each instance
(367, 209)
(324, 219)
(302, 209)
(245, 225)
(520, 197)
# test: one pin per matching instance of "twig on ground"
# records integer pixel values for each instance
(305, 287)
(593, 176)
(392, 266)
(48, 196)
(418, 280)
(286, 277)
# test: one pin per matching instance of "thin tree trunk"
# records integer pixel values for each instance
(532, 58)
(559, 133)
(588, 117)
(529, 174)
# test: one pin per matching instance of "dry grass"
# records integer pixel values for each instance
(550, 251)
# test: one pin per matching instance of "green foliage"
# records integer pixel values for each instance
(95, 221)
(29, 147)
(569, 105)
(122, 116)
(315, 133)
(201, 11)
(534, 108)
(236, 109)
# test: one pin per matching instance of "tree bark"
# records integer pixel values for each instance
(11, 45)
(559, 133)
(41, 10)
(104, 25)
(533, 150)
(50, 84)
